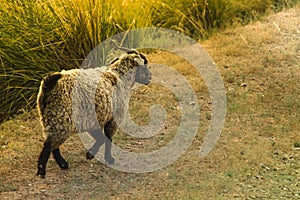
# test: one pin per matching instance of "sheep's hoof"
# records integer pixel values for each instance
(64, 165)
(89, 156)
(110, 160)
(41, 171)
(41, 175)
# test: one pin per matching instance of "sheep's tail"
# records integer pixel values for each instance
(47, 85)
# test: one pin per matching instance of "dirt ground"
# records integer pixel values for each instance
(257, 155)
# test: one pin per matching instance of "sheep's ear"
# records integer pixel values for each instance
(140, 61)
(145, 59)
(129, 51)
(115, 60)
(124, 49)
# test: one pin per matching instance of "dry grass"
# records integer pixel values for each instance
(257, 156)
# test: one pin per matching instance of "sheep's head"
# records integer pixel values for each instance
(132, 67)
(143, 75)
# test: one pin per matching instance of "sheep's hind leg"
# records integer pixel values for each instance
(109, 130)
(63, 164)
(98, 136)
(43, 159)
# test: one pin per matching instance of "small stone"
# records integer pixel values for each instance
(276, 152)
(261, 165)
(275, 169)
(244, 85)
(192, 103)
(285, 157)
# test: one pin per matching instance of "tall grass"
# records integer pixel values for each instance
(245, 11)
(194, 18)
(27, 41)
(199, 19)
(41, 36)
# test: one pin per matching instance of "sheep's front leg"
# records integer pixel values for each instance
(63, 164)
(43, 159)
(99, 137)
(109, 129)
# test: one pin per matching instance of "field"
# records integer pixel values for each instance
(256, 157)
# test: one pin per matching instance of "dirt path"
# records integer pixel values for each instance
(257, 156)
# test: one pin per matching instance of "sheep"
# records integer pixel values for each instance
(55, 104)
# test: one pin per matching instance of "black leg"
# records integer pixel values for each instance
(59, 159)
(109, 130)
(43, 159)
(98, 136)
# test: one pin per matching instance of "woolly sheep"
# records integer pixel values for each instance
(58, 105)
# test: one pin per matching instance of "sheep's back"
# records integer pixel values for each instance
(92, 100)
(81, 100)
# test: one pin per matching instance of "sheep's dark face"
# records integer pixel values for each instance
(143, 75)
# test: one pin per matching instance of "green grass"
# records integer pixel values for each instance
(194, 18)
(38, 37)
(42, 36)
